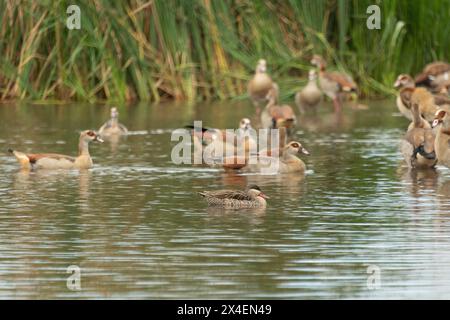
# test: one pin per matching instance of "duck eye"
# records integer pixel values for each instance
(91, 133)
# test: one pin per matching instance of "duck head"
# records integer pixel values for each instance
(295, 147)
(89, 135)
(404, 81)
(255, 191)
(440, 117)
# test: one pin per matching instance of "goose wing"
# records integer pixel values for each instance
(343, 80)
(34, 157)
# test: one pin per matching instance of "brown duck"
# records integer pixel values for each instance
(253, 197)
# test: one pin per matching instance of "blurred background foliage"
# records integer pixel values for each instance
(207, 49)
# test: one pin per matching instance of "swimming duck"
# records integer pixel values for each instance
(428, 103)
(442, 142)
(418, 144)
(243, 140)
(433, 74)
(236, 199)
(59, 161)
(333, 84)
(310, 96)
(260, 84)
(276, 116)
(112, 126)
(284, 162)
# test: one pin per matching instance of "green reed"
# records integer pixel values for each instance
(207, 49)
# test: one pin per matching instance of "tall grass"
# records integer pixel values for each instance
(205, 49)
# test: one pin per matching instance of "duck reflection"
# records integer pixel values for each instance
(418, 181)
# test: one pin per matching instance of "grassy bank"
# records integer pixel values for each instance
(202, 49)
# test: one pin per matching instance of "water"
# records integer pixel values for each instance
(137, 229)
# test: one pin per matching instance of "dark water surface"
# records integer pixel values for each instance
(136, 227)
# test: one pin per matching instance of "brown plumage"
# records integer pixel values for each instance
(112, 127)
(310, 96)
(409, 93)
(333, 84)
(59, 161)
(433, 74)
(285, 162)
(442, 142)
(418, 144)
(260, 84)
(277, 116)
(236, 199)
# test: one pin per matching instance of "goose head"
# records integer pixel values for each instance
(312, 75)
(261, 67)
(295, 147)
(255, 191)
(440, 117)
(404, 81)
(114, 113)
(89, 135)
(245, 124)
(318, 61)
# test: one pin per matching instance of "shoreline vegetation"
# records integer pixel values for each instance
(206, 49)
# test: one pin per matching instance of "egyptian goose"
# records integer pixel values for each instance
(253, 197)
(260, 84)
(224, 144)
(288, 162)
(333, 84)
(59, 161)
(442, 142)
(433, 74)
(227, 137)
(112, 126)
(428, 103)
(275, 116)
(310, 96)
(418, 144)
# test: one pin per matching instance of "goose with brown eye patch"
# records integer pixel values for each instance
(112, 127)
(59, 161)
(287, 162)
(442, 142)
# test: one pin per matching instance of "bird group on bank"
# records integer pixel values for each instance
(424, 100)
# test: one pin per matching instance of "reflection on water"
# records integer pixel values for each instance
(137, 228)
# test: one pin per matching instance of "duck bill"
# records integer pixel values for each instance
(435, 123)
(98, 139)
(262, 195)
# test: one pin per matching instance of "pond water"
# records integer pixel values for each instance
(136, 227)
